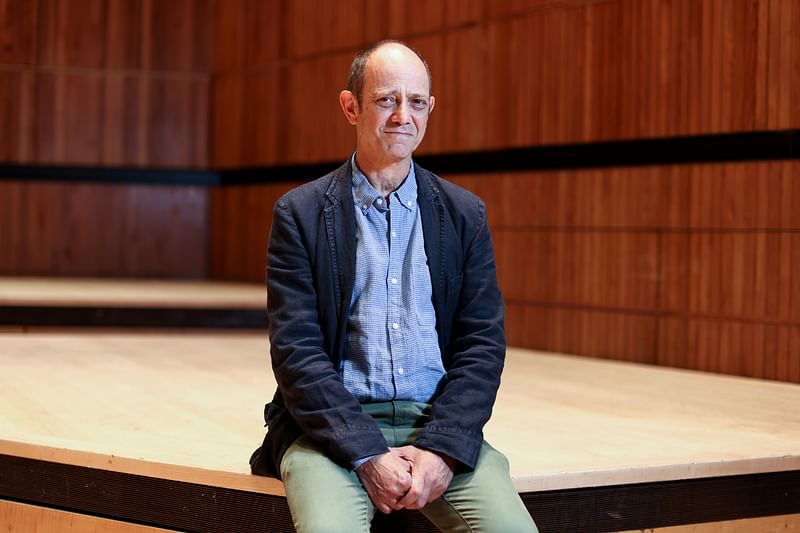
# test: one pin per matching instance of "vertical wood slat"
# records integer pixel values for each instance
(18, 32)
(123, 35)
(71, 33)
(178, 35)
(16, 105)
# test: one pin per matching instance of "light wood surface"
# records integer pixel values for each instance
(34, 519)
(131, 293)
(764, 524)
(189, 408)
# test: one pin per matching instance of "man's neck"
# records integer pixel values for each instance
(384, 177)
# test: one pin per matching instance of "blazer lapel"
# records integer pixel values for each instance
(340, 225)
(433, 231)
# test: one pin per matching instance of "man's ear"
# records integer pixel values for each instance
(433, 102)
(349, 105)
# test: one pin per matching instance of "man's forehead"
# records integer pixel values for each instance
(389, 69)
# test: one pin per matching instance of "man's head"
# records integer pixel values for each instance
(388, 100)
(358, 68)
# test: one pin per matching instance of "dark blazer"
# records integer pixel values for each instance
(310, 277)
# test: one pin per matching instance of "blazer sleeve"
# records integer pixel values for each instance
(311, 387)
(476, 352)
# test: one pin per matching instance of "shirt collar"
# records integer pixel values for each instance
(364, 194)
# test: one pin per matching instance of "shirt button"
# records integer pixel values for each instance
(395, 325)
(408, 203)
(400, 371)
(379, 201)
(394, 281)
(394, 234)
(366, 206)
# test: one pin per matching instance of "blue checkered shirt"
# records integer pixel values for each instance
(392, 346)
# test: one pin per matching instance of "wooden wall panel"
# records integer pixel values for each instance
(124, 128)
(177, 118)
(744, 275)
(71, 33)
(178, 35)
(250, 35)
(784, 64)
(456, 123)
(123, 82)
(69, 118)
(315, 26)
(510, 73)
(105, 82)
(743, 348)
(318, 130)
(16, 130)
(241, 220)
(123, 30)
(603, 270)
(103, 230)
(696, 266)
(634, 197)
(621, 336)
(17, 32)
(745, 196)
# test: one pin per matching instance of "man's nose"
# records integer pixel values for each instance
(401, 114)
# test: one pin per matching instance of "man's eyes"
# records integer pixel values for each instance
(391, 101)
(419, 103)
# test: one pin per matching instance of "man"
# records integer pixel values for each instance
(386, 329)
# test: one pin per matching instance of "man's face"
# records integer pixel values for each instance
(395, 104)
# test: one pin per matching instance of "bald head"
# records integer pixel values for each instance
(389, 48)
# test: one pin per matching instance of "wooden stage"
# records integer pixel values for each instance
(29, 303)
(136, 432)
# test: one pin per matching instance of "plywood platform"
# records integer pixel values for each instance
(188, 408)
(130, 292)
(144, 303)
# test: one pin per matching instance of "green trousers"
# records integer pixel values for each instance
(324, 497)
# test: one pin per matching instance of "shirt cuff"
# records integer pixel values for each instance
(360, 461)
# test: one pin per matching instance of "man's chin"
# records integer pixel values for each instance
(400, 151)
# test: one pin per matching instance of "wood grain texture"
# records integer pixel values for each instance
(121, 82)
(17, 32)
(71, 33)
(767, 524)
(694, 266)
(76, 292)
(241, 218)
(178, 35)
(16, 103)
(103, 230)
(23, 517)
(147, 391)
(511, 73)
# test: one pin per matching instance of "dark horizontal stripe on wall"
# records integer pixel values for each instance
(132, 317)
(195, 507)
(750, 146)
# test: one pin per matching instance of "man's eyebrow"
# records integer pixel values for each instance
(385, 92)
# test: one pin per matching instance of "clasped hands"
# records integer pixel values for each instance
(405, 478)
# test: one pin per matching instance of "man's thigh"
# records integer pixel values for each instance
(323, 496)
(482, 500)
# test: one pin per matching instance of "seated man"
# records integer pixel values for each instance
(386, 329)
